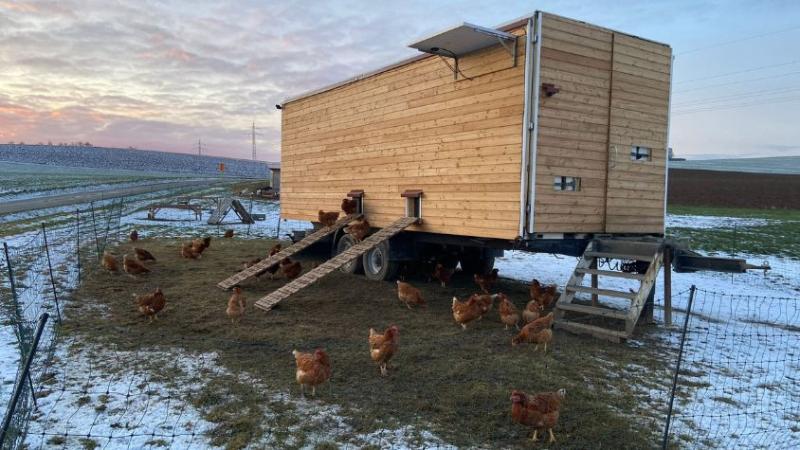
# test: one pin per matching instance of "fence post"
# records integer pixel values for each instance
(50, 268)
(278, 228)
(78, 242)
(24, 375)
(19, 329)
(692, 291)
(94, 227)
(668, 287)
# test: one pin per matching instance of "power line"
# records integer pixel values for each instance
(770, 101)
(729, 83)
(734, 41)
(753, 69)
(733, 97)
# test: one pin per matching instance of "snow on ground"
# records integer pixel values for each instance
(710, 222)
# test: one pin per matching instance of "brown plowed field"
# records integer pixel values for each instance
(733, 189)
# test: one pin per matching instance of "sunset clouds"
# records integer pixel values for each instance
(160, 75)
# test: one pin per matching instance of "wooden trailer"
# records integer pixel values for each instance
(544, 134)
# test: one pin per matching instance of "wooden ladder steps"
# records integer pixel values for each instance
(316, 236)
(598, 332)
(611, 273)
(594, 254)
(595, 311)
(269, 301)
(607, 292)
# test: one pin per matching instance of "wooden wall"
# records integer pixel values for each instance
(614, 92)
(413, 127)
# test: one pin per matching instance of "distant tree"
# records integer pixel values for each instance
(21, 143)
(40, 143)
(10, 142)
(50, 143)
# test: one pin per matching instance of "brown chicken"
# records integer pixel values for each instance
(537, 332)
(383, 346)
(228, 234)
(327, 219)
(291, 269)
(509, 314)
(349, 205)
(538, 411)
(110, 262)
(134, 235)
(485, 302)
(200, 245)
(143, 255)
(273, 268)
(545, 295)
(236, 305)
(443, 274)
(359, 229)
(132, 266)
(485, 282)
(151, 304)
(409, 295)
(313, 369)
(466, 311)
(188, 252)
(250, 263)
(532, 311)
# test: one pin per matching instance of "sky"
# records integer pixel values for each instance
(161, 75)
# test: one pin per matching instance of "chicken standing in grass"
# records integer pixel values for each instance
(537, 332)
(466, 311)
(228, 234)
(443, 274)
(132, 266)
(538, 411)
(110, 262)
(200, 245)
(485, 302)
(383, 346)
(291, 269)
(143, 255)
(509, 314)
(151, 304)
(485, 282)
(532, 311)
(409, 295)
(236, 305)
(188, 252)
(273, 268)
(545, 295)
(313, 369)
(134, 236)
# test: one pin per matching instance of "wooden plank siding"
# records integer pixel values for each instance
(414, 127)
(613, 93)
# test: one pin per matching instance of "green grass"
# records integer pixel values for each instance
(780, 236)
(454, 383)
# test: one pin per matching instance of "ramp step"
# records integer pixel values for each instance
(611, 273)
(593, 310)
(598, 332)
(608, 292)
(268, 302)
(241, 211)
(288, 251)
(648, 258)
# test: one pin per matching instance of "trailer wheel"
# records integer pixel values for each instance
(354, 266)
(476, 261)
(377, 265)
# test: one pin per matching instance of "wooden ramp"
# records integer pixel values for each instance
(225, 206)
(604, 318)
(268, 302)
(288, 251)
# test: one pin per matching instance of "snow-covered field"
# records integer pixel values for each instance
(742, 329)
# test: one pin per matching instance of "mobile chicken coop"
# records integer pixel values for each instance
(544, 134)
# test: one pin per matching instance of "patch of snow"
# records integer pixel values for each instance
(711, 222)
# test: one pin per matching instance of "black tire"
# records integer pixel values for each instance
(377, 265)
(475, 261)
(354, 266)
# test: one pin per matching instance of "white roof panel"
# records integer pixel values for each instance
(461, 40)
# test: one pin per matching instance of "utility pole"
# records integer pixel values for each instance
(254, 140)
(198, 147)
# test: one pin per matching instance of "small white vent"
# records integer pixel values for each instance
(639, 153)
(567, 184)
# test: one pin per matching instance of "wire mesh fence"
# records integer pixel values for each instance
(739, 380)
(737, 387)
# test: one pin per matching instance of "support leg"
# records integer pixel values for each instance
(552, 436)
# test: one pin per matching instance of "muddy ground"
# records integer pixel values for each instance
(733, 189)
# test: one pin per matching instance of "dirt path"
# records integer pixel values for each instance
(53, 201)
